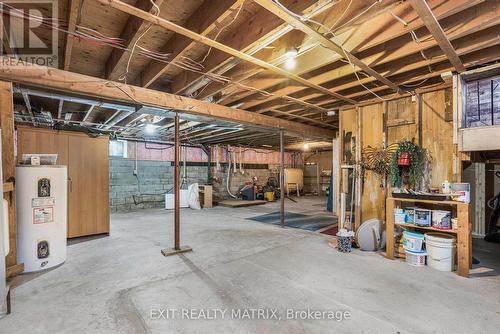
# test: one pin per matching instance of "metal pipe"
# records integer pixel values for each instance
(177, 206)
(209, 162)
(282, 180)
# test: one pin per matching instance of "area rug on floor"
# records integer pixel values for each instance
(297, 220)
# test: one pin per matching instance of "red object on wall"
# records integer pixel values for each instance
(404, 159)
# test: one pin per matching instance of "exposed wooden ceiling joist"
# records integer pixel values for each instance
(425, 13)
(68, 82)
(203, 21)
(330, 43)
(132, 31)
(219, 46)
(359, 38)
(73, 12)
(391, 59)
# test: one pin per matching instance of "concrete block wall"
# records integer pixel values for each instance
(146, 190)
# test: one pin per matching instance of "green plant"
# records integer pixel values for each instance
(408, 175)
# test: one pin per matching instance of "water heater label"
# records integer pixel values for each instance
(42, 201)
(43, 215)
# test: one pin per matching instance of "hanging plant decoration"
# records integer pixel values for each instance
(407, 165)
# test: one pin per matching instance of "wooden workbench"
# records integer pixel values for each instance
(463, 234)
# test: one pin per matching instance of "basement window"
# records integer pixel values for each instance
(482, 105)
(118, 148)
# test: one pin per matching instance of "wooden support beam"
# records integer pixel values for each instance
(481, 30)
(132, 31)
(73, 12)
(9, 164)
(216, 45)
(430, 21)
(332, 43)
(69, 82)
(363, 37)
(203, 21)
(252, 36)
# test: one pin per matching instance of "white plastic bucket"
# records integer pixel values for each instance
(416, 259)
(441, 249)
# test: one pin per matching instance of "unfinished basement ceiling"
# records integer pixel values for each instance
(306, 78)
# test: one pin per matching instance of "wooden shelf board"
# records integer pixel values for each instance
(426, 201)
(426, 228)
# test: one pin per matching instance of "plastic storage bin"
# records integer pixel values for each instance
(423, 217)
(413, 241)
(416, 259)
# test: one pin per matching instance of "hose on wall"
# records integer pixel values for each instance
(229, 174)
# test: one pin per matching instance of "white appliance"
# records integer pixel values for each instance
(170, 200)
(3, 287)
(41, 193)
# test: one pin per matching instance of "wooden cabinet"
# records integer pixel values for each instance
(88, 174)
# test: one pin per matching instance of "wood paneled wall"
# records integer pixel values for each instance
(427, 119)
(372, 134)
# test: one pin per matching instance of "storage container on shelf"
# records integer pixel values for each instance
(413, 241)
(410, 215)
(441, 219)
(399, 216)
(423, 217)
(441, 249)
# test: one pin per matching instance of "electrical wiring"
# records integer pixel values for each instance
(342, 15)
(417, 41)
(92, 36)
(360, 14)
(222, 29)
(123, 77)
(329, 30)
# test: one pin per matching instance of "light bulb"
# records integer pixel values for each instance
(150, 129)
(290, 63)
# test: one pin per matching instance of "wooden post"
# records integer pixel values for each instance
(464, 239)
(389, 228)
(177, 201)
(282, 179)
(9, 172)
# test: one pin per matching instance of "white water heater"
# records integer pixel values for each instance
(41, 194)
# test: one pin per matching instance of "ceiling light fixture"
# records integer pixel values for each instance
(306, 146)
(290, 58)
(150, 129)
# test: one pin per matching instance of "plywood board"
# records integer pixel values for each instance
(372, 132)
(437, 136)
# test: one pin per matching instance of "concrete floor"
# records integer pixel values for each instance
(112, 284)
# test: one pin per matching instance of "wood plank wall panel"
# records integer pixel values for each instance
(372, 132)
(402, 119)
(437, 135)
(8, 163)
